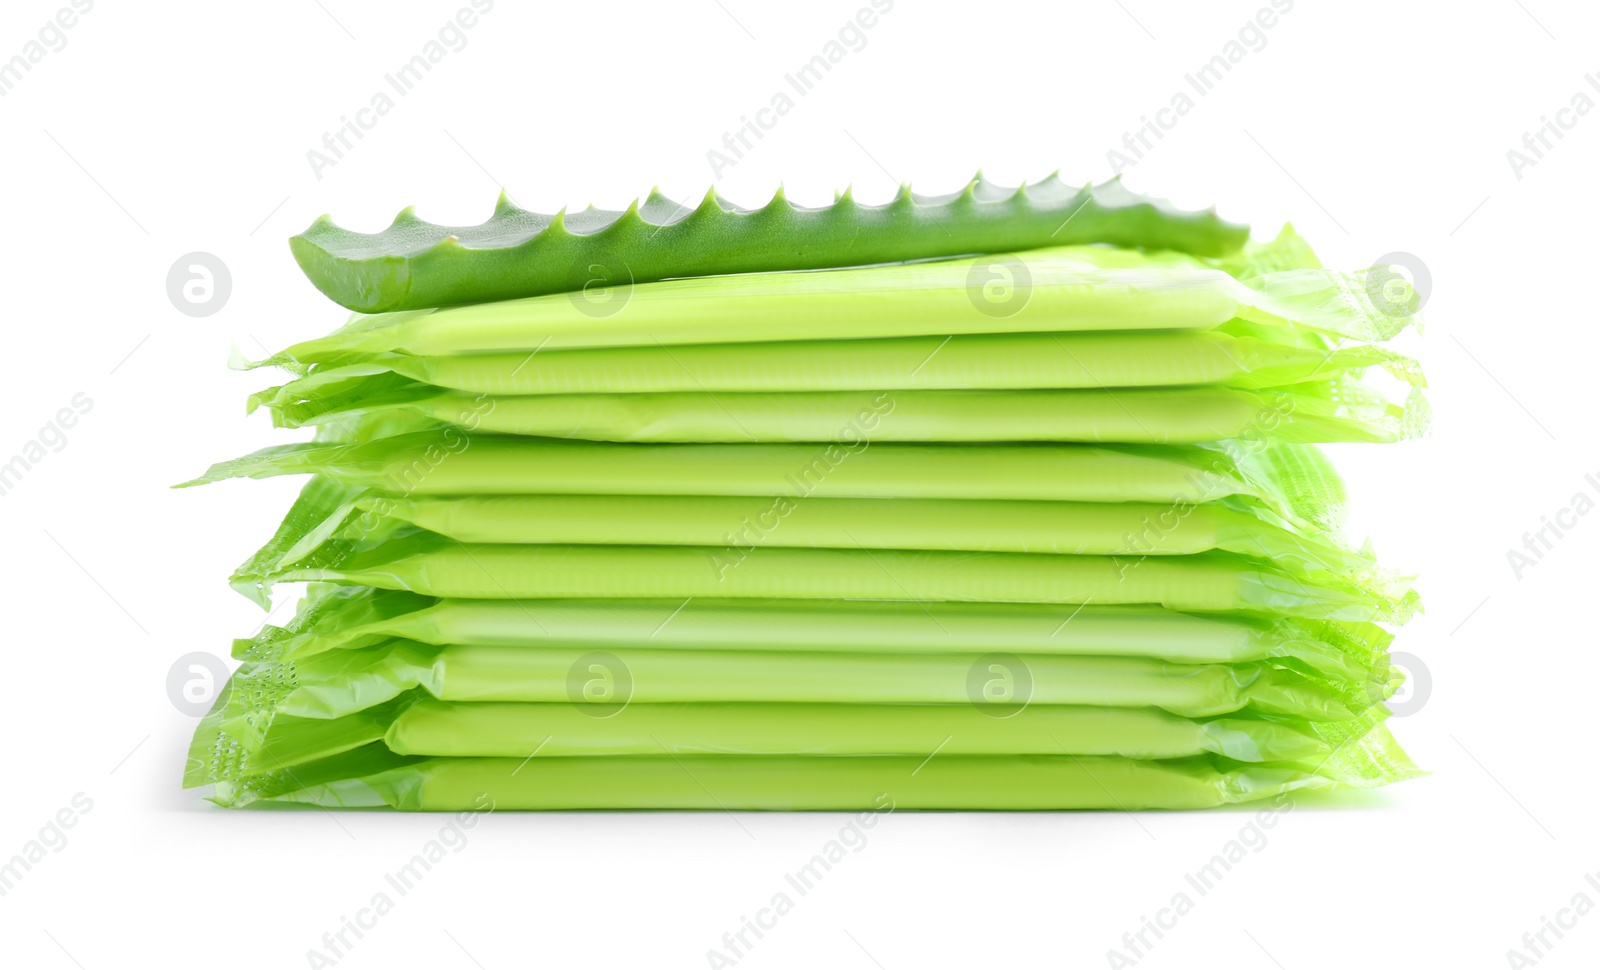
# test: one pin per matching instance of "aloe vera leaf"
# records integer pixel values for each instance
(415, 264)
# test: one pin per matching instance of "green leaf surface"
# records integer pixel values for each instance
(415, 264)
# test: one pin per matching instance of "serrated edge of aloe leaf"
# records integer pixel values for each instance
(415, 264)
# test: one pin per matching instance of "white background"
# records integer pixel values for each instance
(162, 129)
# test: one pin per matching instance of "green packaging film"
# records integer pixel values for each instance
(426, 726)
(1321, 412)
(1295, 481)
(1067, 289)
(420, 725)
(980, 361)
(345, 617)
(374, 777)
(1006, 499)
(437, 566)
(330, 522)
(342, 682)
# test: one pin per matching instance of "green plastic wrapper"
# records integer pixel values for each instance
(342, 682)
(330, 522)
(425, 726)
(1295, 480)
(994, 361)
(374, 777)
(352, 617)
(1036, 531)
(1073, 288)
(281, 725)
(1209, 582)
(421, 725)
(1318, 412)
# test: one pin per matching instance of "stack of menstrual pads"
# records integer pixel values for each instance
(791, 508)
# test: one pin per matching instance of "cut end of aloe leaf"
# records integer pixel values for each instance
(414, 264)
